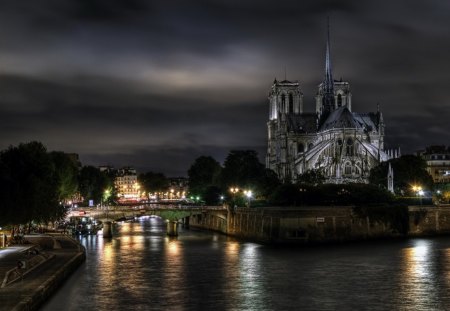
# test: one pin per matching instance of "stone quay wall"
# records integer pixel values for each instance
(304, 225)
(66, 255)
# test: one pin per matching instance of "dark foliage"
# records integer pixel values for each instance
(93, 183)
(29, 185)
(203, 174)
(396, 216)
(409, 170)
(153, 182)
(329, 194)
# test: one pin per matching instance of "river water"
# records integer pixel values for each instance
(142, 269)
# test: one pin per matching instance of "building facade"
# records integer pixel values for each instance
(343, 144)
(438, 162)
(126, 184)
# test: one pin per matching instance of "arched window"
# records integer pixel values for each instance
(339, 100)
(310, 146)
(300, 147)
(348, 169)
(291, 103)
(357, 168)
(283, 102)
(349, 147)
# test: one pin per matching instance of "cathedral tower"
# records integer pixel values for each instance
(343, 145)
(285, 101)
(331, 94)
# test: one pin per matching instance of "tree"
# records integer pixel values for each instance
(93, 183)
(267, 183)
(211, 195)
(153, 182)
(330, 194)
(242, 168)
(312, 177)
(203, 173)
(409, 170)
(66, 173)
(29, 186)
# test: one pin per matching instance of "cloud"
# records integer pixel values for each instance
(155, 83)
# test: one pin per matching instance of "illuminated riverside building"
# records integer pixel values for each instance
(344, 144)
(178, 187)
(126, 184)
(438, 162)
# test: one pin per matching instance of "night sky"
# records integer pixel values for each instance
(155, 84)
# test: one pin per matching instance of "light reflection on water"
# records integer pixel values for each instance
(142, 269)
(419, 280)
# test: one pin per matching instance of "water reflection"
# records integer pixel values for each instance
(251, 278)
(141, 269)
(173, 277)
(418, 279)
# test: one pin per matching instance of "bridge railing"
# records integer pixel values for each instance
(87, 211)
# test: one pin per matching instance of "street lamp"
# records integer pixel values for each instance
(248, 194)
(419, 192)
(234, 190)
(302, 193)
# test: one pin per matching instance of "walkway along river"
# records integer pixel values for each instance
(142, 269)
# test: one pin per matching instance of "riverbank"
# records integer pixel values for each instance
(46, 262)
(326, 224)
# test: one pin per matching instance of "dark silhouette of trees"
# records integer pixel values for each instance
(409, 170)
(153, 182)
(312, 177)
(30, 187)
(93, 183)
(66, 173)
(330, 194)
(242, 169)
(204, 180)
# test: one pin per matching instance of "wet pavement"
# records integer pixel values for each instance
(14, 294)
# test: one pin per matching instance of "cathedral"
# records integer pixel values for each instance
(341, 143)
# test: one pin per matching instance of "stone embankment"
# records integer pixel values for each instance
(33, 272)
(306, 225)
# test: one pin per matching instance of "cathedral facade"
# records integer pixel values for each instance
(341, 143)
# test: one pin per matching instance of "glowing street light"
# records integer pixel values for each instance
(248, 194)
(233, 191)
(419, 192)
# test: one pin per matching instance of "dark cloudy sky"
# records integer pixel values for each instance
(155, 84)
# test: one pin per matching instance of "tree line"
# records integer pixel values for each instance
(36, 184)
(242, 169)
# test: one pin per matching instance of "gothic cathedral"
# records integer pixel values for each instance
(344, 144)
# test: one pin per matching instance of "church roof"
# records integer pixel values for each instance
(341, 118)
(368, 120)
(344, 118)
(286, 82)
(301, 124)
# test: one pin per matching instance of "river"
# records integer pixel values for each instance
(142, 269)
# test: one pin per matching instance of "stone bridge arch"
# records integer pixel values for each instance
(171, 215)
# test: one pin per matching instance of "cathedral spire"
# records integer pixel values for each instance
(328, 83)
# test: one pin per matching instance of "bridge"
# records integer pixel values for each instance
(172, 214)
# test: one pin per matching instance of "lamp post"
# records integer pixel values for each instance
(248, 194)
(233, 191)
(418, 191)
(302, 193)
